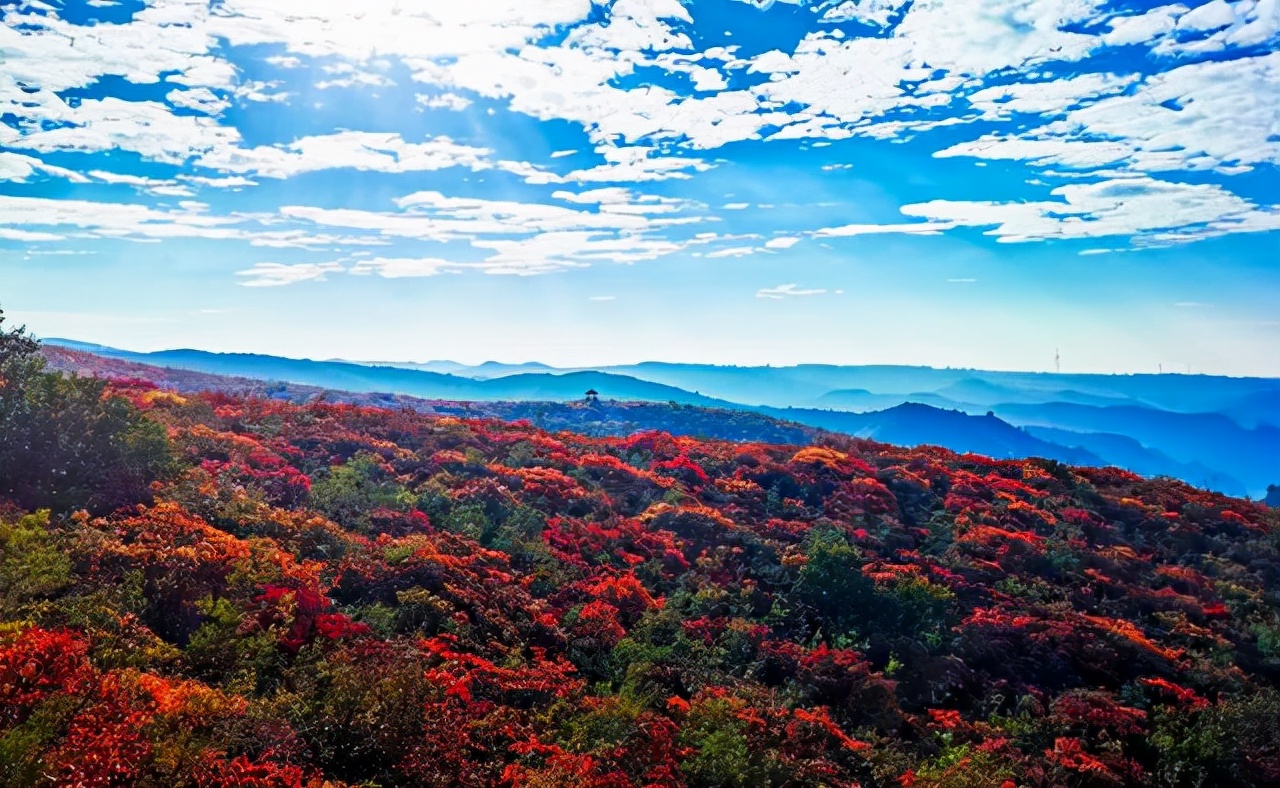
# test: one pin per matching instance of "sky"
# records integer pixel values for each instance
(964, 183)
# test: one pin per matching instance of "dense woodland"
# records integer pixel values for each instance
(212, 590)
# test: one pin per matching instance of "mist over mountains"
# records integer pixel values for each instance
(1216, 432)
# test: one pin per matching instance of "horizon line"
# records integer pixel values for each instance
(390, 364)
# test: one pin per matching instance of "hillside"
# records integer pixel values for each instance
(1231, 415)
(916, 424)
(941, 423)
(328, 594)
(909, 425)
(1251, 455)
(421, 383)
(603, 418)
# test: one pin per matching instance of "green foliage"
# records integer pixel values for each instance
(348, 493)
(607, 724)
(831, 581)
(472, 521)
(220, 653)
(915, 607)
(1233, 743)
(22, 748)
(1268, 639)
(65, 444)
(959, 766)
(32, 564)
(723, 756)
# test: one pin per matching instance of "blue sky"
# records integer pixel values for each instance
(942, 182)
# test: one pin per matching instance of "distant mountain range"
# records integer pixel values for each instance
(1216, 432)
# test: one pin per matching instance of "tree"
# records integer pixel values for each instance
(20, 362)
(67, 443)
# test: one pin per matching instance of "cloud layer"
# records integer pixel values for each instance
(564, 134)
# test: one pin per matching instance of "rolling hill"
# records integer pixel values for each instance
(1229, 446)
(1249, 455)
(209, 590)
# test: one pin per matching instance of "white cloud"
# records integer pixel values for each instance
(147, 128)
(345, 75)
(1189, 118)
(1047, 96)
(868, 12)
(765, 5)
(610, 194)
(230, 182)
(141, 223)
(556, 250)
(629, 75)
(255, 90)
(301, 239)
(1213, 15)
(619, 200)
(450, 101)
(518, 237)
(468, 215)
(1144, 27)
(1148, 210)
(198, 100)
(387, 28)
(733, 251)
(284, 61)
(164, 38)
(707, 79)
(172, 38)
(13, 234)
(917, 228)
(279, 274)
(636, 164)
(401, 267)
(786, 291)
(360, 150)
(18, 167)
(158, 186)
(121, 220)
(782, 242)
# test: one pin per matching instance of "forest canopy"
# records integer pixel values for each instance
(212, 590)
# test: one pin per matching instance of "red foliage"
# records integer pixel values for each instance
(241, 772)
(624, 611)
(1181, 695)
(106, 745)
(35, 663)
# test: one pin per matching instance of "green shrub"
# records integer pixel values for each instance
(31, 564)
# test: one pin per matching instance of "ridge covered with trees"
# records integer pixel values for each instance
(217, 590)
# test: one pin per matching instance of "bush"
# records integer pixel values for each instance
(31, 565)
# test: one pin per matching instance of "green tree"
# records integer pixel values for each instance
(348, 493)
(831, 582)
(65, 443)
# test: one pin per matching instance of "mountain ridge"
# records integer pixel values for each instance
(951, 427)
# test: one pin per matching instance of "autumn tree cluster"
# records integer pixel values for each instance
(240, 592)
